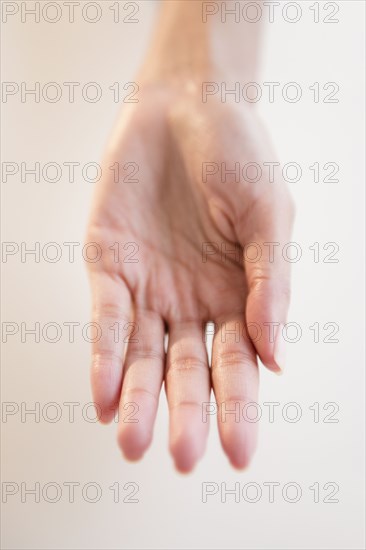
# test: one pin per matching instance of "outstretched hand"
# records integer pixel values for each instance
(199, 240)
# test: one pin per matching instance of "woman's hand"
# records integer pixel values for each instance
(188, 221)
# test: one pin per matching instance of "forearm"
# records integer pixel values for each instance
(197, 40)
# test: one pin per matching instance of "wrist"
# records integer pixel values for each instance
(180, 50)
(189, 47)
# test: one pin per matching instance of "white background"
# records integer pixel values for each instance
(170, 512)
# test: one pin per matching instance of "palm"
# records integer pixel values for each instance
(179, 265)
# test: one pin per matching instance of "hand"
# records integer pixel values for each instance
(191, 236)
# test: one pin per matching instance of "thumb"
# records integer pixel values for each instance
(267, 271)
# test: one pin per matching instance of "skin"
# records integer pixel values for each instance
(179, 282)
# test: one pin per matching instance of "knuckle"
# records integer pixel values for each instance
(105, 360)
(146, 353)
(110, 311)
(187, 364)
(235, 360)
(139, 391)
(186, 403)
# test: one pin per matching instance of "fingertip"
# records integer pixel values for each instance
(272, 366)
(241, 463)
(132, 456)
(105, 408)
(240, 460)
(186, 449)
(105, 417)
(280, 349)
(133, 440)
(273, 355)
(184, 468)
(106, 390)
(239, 445)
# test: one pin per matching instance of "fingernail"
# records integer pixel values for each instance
(280, 350)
